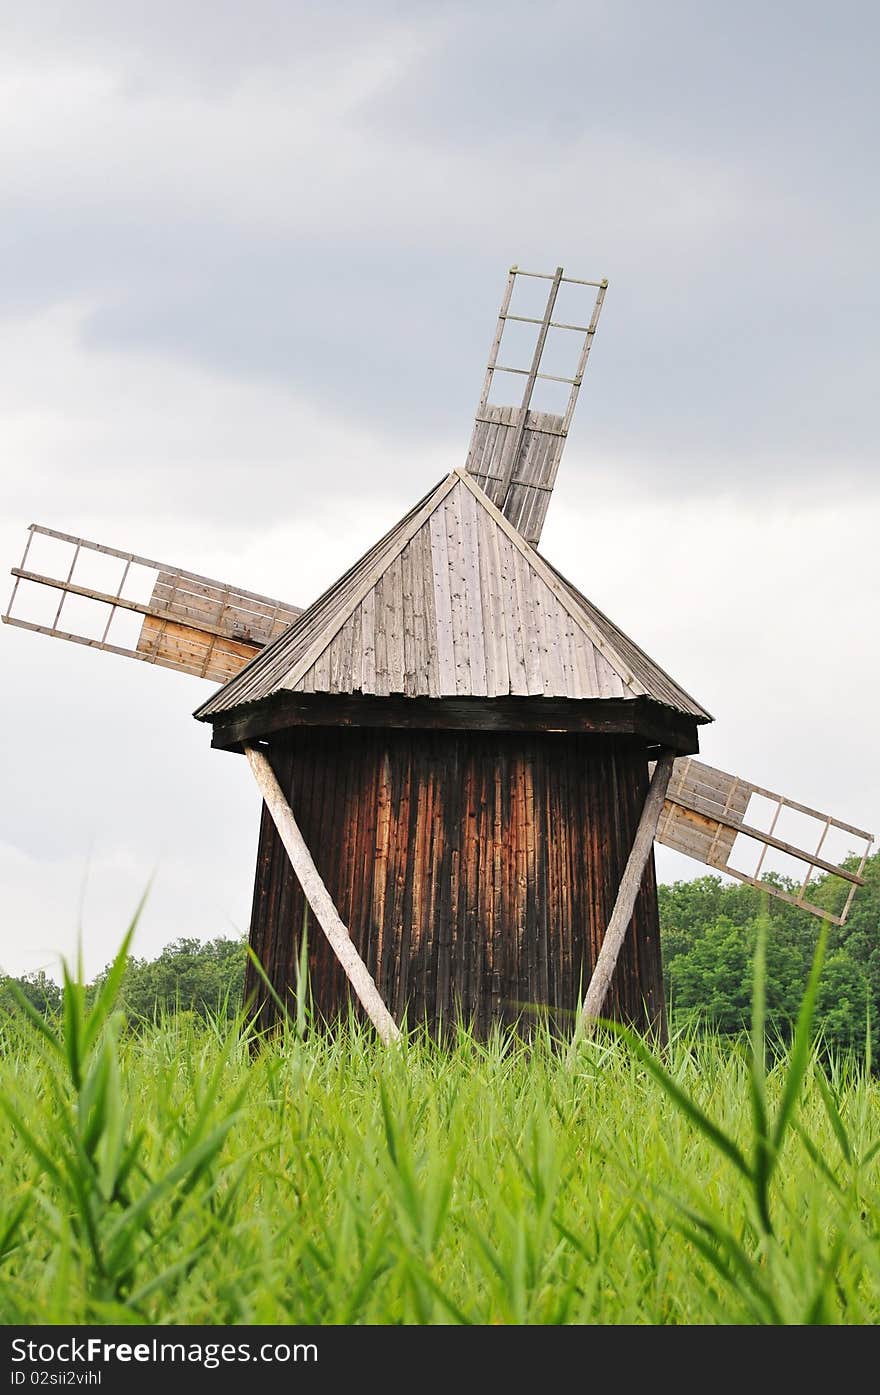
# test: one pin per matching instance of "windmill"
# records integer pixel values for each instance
(478, 759)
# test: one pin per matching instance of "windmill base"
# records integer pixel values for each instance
(475, 871)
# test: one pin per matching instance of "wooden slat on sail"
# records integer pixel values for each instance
(706, 812)
(190, 622)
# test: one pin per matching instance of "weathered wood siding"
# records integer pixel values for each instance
(476, 871)
(453, 603)
(519, 484)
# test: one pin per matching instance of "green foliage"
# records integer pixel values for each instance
(776, 1281)
(112, 1190)
(179, 1173)
(42, 992)
(205, 977)
(709, 934)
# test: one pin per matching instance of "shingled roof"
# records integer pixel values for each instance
(453, 602)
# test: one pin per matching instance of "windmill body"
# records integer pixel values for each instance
(465, 742)
(455, 748)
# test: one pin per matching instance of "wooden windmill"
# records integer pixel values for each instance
(454, 746)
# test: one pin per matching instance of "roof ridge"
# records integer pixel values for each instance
(308, 655)
(552, 580)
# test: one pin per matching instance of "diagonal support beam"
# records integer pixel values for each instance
(627, 892)
(320, 899)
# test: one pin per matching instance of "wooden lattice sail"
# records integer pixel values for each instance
(707, 816)
(188, 622)
(515, 451)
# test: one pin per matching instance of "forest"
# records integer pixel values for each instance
(709, 929)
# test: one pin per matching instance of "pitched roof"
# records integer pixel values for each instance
(453, 602)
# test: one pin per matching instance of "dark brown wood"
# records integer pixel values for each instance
(475, 871)
(630, 886)
(659, 726)
(319, 900)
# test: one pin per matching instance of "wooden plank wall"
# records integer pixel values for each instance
(206, 627)
(520, 486)
(476, 872)
(236, 614)
(192, 650)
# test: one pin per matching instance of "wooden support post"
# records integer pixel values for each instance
(626, 896)
(320, 900)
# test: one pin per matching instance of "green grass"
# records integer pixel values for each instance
(175, 1175)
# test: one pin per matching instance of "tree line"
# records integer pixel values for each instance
(708, 932)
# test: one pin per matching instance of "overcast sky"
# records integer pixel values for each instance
(250, 262)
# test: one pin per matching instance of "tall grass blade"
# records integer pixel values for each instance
(35, 1018)
(687, 1106)
(109, 991)
(12, 1225)
(762, 1164)
(834, 1116)
(801, 1048)
(270, 987)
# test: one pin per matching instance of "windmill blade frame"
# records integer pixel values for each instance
(191, 623)
(515, 452)
(705, 816)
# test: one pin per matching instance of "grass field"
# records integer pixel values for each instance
(174, 1175)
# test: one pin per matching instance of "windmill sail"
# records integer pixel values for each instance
(710, 815)
(187, 622)
(515, 451)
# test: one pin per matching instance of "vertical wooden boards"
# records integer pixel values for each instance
(521, 486)
(463, 610)
(451, 603)
(442, 588)
(475, 871)
(319, 900)
(489, 563)
(368, 635)
(465, 505)
(458, 584)
(630, 884)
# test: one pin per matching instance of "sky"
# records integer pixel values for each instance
(250, 263)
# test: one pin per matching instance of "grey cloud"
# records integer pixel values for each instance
(747, 338)
(205, 43)
(760, 78)
(393, 340)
